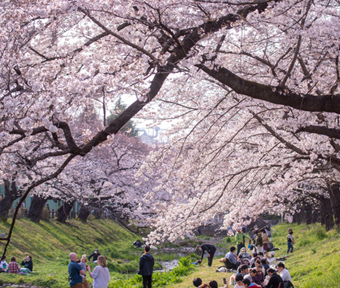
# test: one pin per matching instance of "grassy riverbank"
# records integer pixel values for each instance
(314, 262)
(50, 243)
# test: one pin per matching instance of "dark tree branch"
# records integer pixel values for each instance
(332, 133)
(275, 95)
(278, 137)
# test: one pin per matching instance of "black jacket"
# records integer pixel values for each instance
(146, 263)
(28, 264)
(207, 247)
(274, 281)
(95, 256)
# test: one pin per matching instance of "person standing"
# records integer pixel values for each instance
(74, 271)
(265, 240)
(240, 239)
(258, 241)
(146, 264)
(211, 249)
(290, 241)
(100, 274)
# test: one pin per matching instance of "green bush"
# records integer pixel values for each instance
(304, 242)
(321, 233)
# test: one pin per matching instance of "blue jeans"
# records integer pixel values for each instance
(290, 247)
(239, 246)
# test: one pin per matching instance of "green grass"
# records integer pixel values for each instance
(314, 262)
(50, 243)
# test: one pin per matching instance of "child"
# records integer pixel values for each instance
(83, 265)
(239, 281)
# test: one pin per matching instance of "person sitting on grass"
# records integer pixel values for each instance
(265, 266)
(232, 258)
(284, 274)
(28, 263)
(271, 259)
(3, 264)
(260, 275)
(253, 259)
(244, 253)
(137, 243)
(213, 284)
(244, 272)
(198, 262)
(247, 283)
(197, 282)
(275, 280)
(239, 281)
(257, 276)
(95, 256)
(13, 266)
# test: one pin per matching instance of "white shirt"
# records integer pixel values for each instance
(2, 263)
(101, 277)
(271, 261)
(285, 275)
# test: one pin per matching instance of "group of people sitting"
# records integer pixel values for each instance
(255, 271)
(13, 266)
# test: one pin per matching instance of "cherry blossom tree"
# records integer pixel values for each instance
(277, 60)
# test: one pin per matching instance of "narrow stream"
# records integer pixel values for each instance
(183, 252)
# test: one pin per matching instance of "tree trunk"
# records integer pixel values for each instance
(97, 213)
(334, 196)
(11, 194)
(326, 214)
(84, 212)
(63, 211)
(36, 208)
(308, 213)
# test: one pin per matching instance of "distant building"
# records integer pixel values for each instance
(152, 136)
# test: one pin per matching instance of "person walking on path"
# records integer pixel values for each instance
(146, 264)
(211, 249)
(290, 241)
(74, 271)
(100, 274)
(240, 239)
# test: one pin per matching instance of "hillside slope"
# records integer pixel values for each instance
(50, 243)
(314, 262)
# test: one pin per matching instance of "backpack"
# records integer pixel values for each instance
(288, 284)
